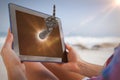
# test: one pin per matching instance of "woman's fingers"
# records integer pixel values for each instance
(9, 40)
(9, 56)
(68, 47)
(72, 55)
(7, 49)
(15, 70)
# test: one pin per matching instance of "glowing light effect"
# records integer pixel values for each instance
(43, 40)
(117, 2)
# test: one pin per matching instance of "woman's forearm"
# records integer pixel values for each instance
(89, 69)
(16, 74)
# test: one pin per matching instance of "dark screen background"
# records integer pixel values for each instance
(28, 27)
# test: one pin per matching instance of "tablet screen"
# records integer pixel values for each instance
(29, 27)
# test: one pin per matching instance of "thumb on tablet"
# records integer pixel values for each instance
(9, 40)
(72, 55)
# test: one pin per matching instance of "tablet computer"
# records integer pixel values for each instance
(26, 26)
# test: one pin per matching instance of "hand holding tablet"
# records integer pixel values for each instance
(27, 25)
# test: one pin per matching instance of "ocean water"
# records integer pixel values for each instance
(2, 38)
(90, 42)
(93, 49)
(87, 42)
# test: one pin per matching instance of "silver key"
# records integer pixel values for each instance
(44, 34)
(51, 23)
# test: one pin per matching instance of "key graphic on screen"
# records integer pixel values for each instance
(51, 23)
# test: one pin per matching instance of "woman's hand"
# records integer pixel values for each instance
(15, 70)
(22, 71)
(69, 70)
(75, 68)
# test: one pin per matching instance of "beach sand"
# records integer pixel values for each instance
(3, 72)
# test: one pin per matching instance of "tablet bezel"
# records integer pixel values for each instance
(13, 25)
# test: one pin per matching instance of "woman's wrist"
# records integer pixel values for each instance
(16, 74)
(89, 69)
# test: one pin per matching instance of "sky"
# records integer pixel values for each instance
(91, 18)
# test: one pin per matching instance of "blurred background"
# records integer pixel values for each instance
(90, 26)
